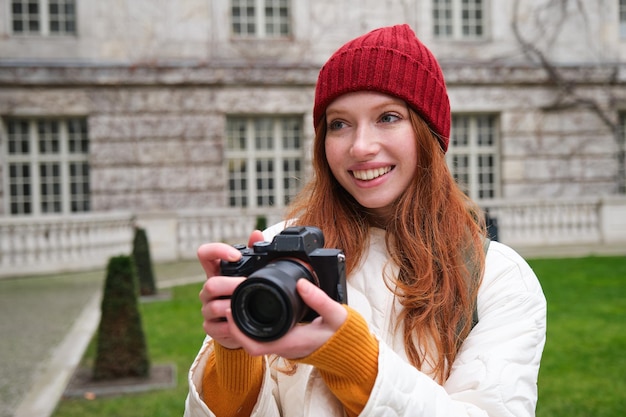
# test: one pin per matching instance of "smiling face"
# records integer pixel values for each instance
(371, 148)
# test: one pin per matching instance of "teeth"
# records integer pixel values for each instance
(370, 174)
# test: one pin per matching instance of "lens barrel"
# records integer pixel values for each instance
(267, 305)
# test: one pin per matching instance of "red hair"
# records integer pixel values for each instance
(435, 234)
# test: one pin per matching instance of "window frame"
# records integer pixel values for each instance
(457, 21)
(251, 154)
(473, 151)
(65, 188)
(260, 20)
(44, 19)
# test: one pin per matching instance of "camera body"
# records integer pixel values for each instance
(266, 305)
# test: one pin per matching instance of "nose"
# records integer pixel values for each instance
(364, 143)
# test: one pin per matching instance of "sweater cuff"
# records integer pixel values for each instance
(236, 370)
(350, 355)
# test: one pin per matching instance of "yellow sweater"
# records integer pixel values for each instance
(348, 363)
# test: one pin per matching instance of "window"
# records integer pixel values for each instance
(458, 19)
(43, 17)
(622, 19)
(48, 167)
(473, 155)
(261, 18)
(264, 157)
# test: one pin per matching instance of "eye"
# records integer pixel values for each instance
(389, 118)
(336, 125)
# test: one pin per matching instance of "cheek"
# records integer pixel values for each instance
(334, 155)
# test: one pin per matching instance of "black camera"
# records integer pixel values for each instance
(266, 305)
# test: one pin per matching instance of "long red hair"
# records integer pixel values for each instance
(434, 237)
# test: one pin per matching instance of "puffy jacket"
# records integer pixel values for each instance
(494, 374)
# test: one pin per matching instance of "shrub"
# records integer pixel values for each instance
(121, 344)
(143, 262)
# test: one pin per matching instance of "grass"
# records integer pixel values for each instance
(583, 371)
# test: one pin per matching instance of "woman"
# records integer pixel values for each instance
(406, 344)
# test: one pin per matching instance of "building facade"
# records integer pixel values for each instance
(167, 110)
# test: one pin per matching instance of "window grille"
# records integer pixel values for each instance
(48, 166)
(261, 18)
(458, 19)
(265, 160)
(43, 17)
(473, 155)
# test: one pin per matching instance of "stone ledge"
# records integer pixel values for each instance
(81, 384)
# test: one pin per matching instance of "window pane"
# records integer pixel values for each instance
(460, 131)
(460, 169)
(40, 176)
(62, 16)
(485, 176)
(20, 188)
(292, 177)
(261, 18)
(473, 155)
(237, 183)
(264, 134)
(485, 130)
(236, 134)
(264, 182)
(77, 136)
(264, 157)
(442, 18)
(48, 137)
(471, 13)
(25, 16)
(243, 16)
(276, 18)
(50, 187)
(291, 134)
(79, 187)
(18, 137)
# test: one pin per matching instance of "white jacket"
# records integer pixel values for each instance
(494, 374)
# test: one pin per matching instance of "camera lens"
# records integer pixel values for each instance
(264, 306)
(267, 305)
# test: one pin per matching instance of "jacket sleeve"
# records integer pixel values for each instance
(495, 372)
(194, 405)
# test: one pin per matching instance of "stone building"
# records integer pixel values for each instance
(179, 114)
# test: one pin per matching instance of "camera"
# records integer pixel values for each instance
(267, 305)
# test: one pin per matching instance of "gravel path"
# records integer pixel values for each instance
(35, 315)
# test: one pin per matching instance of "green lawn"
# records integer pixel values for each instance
(583, 372)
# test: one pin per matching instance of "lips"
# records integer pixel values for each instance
(370, 174)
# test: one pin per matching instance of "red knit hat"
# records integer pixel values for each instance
(393, 61)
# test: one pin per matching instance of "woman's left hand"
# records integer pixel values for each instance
(302, 339)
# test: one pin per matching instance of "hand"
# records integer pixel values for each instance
(302, 339)
(217, 290)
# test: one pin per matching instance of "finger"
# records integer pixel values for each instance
(210, 255)
(256, 236)
(219, 287)
(332, 313)
(251, 346)
(215, 311)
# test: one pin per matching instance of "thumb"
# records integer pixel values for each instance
(256, 236)
(331, 312)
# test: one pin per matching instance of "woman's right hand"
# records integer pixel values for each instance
(217, 290)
